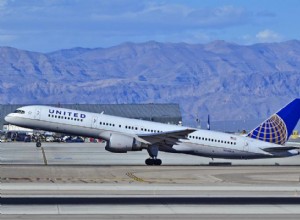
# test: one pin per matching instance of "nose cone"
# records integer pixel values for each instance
(8, 118)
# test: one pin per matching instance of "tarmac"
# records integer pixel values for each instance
(83, 181)
(95, 154)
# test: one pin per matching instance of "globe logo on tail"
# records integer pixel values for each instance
(273, 130)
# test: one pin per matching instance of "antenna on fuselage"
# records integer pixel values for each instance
(198, 122)
(208, 123)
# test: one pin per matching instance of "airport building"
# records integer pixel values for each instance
(165, 113)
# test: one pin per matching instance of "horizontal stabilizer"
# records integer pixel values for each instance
(279, 149)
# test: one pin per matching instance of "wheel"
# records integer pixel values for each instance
(157, 162)
(38, 144)
(149, 161)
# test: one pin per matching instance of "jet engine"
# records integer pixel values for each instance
(119, 143)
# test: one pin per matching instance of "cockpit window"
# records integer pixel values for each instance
(19, 111)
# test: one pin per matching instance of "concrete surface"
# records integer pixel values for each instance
(75, 171)
(95, 154)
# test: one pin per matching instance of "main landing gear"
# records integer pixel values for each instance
(153, 160)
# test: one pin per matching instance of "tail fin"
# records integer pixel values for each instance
(278, 128)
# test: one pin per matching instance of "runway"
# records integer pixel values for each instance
(177, 192)
(74, 181)
(164, 211)
(95, 154)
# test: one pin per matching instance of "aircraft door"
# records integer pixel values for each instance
(37, 113)
(94, 121)
(246, 146)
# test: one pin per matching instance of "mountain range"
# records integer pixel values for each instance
(226, 80)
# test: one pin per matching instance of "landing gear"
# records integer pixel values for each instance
(38, 144)
(153, 160)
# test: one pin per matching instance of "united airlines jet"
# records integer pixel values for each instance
(124, 134)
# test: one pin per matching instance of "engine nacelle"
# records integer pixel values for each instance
(119, 143)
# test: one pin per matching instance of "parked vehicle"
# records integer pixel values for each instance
(74, 139)
(20, 137)
(28, 138)
(49, 139)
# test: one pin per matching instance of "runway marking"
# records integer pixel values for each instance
(134, 177)
(59, 180)
(44, 156)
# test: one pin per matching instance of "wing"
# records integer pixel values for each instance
(165, 138)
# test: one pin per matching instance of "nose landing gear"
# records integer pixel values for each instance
(38, 144)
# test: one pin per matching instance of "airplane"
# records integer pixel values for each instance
(125, 134)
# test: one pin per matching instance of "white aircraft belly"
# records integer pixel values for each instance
(215, 152)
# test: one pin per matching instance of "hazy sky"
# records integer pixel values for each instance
(48, 25)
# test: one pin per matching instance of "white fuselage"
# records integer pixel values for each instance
(200, 142)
